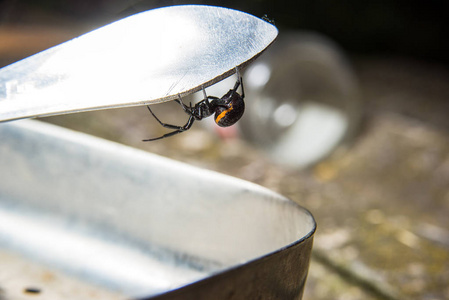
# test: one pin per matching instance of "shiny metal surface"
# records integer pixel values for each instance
(142, 225)
(147, 58)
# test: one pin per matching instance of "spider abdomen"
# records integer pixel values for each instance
(227, 116)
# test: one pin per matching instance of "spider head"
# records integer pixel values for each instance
(228, 115)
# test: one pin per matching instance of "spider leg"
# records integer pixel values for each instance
(243, 91)
(177, 129)
(207, 98)
(187, 109)
(162, 123)
(164, 136)
(204, 93)
(239, 82)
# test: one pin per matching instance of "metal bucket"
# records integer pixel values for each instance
(142, 226)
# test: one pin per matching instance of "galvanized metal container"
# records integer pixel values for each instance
(142, 226)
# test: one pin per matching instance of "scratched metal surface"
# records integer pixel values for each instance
(147, 58)
(142, 225)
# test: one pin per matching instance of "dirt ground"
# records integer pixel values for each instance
(381, 203)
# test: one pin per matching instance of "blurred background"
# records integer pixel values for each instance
(347, 115)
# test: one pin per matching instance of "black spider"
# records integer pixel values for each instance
(227, 109)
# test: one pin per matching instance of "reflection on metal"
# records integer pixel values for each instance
(147, 58)
(302, 100)
(144, 225)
